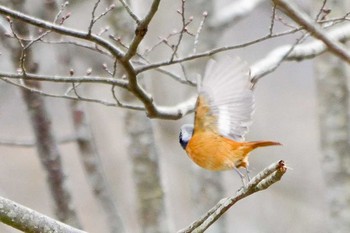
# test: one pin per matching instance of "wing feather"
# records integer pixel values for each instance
(226, 101)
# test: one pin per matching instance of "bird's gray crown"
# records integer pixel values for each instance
(186, 132)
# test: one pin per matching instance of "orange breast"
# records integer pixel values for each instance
(214, 152)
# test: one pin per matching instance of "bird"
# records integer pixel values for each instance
(223, 114)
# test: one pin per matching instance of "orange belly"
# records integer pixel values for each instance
(214, 152)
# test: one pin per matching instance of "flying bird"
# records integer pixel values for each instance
(223, 114)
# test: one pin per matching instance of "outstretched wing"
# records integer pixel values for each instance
(226, 102)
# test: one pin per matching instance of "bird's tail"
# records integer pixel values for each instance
(256, 144)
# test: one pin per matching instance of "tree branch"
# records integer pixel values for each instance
(152, 110)
(67, 79)
(28, 220)
(141, 30)
(262, 181)
(62, 30)
(300, 52)
(304, 20)
(31, 143)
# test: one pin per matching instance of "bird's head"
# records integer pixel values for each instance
(185, 135)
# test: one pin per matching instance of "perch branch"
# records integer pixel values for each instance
(262, 181)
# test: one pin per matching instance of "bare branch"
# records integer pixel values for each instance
(124, 105)
(43, 93)
(130, 12)
(182, 31)
(133, 86)
(318, 16)
(278, 60)
(344, 36)
(27, 220)
(60, 11)
(93, 20)
(152, 110)
(301, 18)
(31, 143)
(196, 38)
(176, 78)
(300, 52)
(162, 112)
(63, 30)
(212, 52)
(107, 10)
(141, 30)
(273, 17)
(262, 181)
(67, 79)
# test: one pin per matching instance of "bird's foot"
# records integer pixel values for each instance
(242, 176)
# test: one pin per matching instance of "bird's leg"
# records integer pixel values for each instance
(247, 171)
(242, 176)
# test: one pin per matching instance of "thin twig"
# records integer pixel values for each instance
(31, 143)
(92, 20)
(199, 30)
(107, 10)
(273, 17)
(182, 31)
(141, 30)
(211, 52)
(121, 104)
(321, 10)
(280, 60)
(337, 32)
(68, 79)
(130, 12)
(63, 96)
(63, 30)
(300, 52)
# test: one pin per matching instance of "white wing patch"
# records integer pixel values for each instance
(228, 88)
(224, 119)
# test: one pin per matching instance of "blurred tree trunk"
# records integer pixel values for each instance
(333, 96)
(144, 156)
(46, 144)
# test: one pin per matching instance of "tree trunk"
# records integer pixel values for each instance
(144, 156)
(333, 97)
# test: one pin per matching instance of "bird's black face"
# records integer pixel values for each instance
(182, 141)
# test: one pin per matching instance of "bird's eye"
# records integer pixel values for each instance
(183, 142)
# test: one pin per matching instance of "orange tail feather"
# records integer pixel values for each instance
(256, 144)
